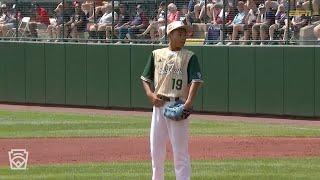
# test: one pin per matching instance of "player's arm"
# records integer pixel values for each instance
(147, 82)
(194, 80)
(192, 93)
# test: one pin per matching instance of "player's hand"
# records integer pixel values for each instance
(155, 100)
(188, 105)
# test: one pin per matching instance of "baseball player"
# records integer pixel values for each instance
(171, 74)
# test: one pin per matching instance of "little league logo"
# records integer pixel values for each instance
(18, 159)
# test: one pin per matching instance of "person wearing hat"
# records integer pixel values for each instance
(171, 74)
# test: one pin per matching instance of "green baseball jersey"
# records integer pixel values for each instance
(171, 72)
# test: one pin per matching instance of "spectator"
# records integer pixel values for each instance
(7, 21)
(229, 15)
(63, 15)
(269, 4)
(316, 31)
(79, 23)
(138, 24)
(238, 22)
(298, 22)
(183, 13)
(157, 22)
(87, 7)
(68, 16)
(250, 19)
(201, 13)
(190, 16)
(315, 7)
(42, 15)
(265, 19)
(123, 17)
(104, 26)
(173, 15)
(40, 20)
(191, 5)
(281, 22)
(213, 32)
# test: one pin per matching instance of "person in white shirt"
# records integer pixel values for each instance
(104, 25)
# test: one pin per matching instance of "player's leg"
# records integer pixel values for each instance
(179, 137)
(158, 139)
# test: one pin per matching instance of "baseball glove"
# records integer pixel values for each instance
(176, 111)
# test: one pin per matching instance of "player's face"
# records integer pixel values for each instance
(178, 37)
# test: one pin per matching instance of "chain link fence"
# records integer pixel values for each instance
(211, 22)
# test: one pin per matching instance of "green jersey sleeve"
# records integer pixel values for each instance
(148, 73)
(194, 72)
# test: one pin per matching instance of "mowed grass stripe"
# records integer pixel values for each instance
(284, 168)
(42, 124)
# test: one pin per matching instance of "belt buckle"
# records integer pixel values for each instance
(174, 99)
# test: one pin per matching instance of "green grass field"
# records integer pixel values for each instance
(35, 124)
(252, 169)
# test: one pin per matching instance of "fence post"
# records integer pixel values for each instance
(205, 12)
(223, 20)
(63, 16)
(166, 23)
(17, 19)
(112, 28)
(288, 23)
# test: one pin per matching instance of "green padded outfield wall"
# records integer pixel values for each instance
(55, 60)
(255, 80)
(269, 80)
(16, 71)
(215, 71)
(35, 73)
(3, 74)
(76, 87)
(97, 76)
(317, 82)
(139, 56)
(299, 81)
(119, 76)
(241, 80)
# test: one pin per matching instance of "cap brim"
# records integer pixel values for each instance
(185, 27)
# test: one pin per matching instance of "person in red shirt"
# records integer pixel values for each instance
(42, 15)
(39, 20)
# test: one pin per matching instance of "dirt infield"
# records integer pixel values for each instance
(82, 150)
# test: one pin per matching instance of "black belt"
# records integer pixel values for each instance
(165, 98)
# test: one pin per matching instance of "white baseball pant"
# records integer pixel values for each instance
(177, 132)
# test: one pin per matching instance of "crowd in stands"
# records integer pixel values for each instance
(236, 22)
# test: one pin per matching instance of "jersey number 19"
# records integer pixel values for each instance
(177, 84)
